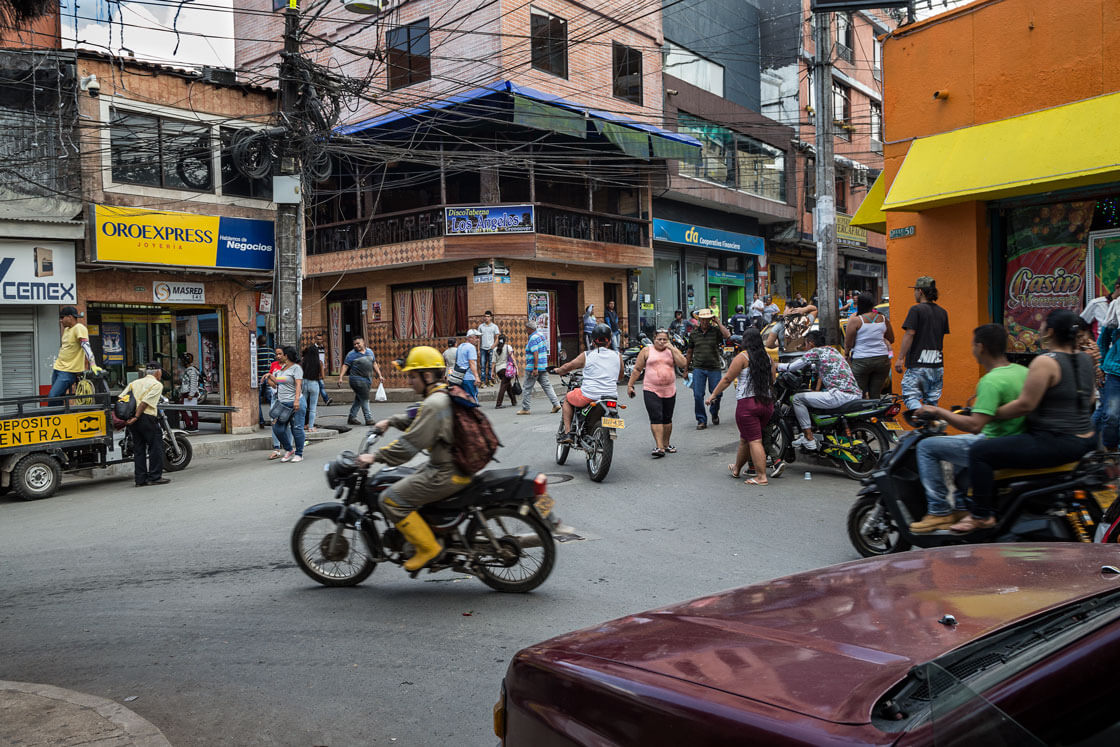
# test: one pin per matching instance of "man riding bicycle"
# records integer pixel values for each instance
(601, 366)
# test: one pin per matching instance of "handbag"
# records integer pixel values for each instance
(281, 412)
(381, 396)
(515, 387)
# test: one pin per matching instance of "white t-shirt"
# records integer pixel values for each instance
(600, 373)
(757, 307)
(489, 333)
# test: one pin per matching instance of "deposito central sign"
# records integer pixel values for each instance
(164, 237)
(43, 429)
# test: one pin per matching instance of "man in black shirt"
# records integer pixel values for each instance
(738, 322)
(921, 350)
(703, 359)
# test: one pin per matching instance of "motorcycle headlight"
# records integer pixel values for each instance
(341, 468)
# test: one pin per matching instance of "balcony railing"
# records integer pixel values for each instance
(397, 228)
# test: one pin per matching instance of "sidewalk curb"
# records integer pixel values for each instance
(134, 727)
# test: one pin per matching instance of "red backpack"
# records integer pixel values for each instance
(475, 440)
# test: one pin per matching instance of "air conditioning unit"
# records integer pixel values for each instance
(222, 76)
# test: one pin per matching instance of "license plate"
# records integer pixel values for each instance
(544, 504)
(890, 425)
(729, 350)
(614, 423)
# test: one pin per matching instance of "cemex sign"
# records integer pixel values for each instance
(37, 273)
(840, 6)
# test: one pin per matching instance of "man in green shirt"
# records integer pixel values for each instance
(703, 359)
(1001, 384)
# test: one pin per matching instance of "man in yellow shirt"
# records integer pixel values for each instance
(147, 436)
(72, 356)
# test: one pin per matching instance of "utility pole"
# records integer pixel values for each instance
(289, 249)
(824, 215)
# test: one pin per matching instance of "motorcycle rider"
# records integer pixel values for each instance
(776, 338)
(1002, 383)
(601, 367)
(429, 426)
(676, 327)
(739, 321)
(838, 385)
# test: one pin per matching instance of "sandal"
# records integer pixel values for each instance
(731, 472)
(754, 481)
(670, 449)
(276, 454)
(971, 524)
(657, 453)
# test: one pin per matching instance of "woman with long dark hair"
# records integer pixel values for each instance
(1057, 399)
(312, 386)
(753, 371)
(503, 356)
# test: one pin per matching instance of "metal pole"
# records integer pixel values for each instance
(824, 215)
(289, 250)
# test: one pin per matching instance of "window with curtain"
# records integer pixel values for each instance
(429, 310)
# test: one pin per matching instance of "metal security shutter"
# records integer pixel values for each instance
(17, 364)
(17, 319)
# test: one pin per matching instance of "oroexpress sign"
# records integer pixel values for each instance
(163, 237)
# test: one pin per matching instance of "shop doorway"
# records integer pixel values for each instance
(566, 317)
(346, 320)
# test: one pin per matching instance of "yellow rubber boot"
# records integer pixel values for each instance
(420, 536)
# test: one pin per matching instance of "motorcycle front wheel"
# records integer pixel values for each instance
(599, 458)
(561, 449)
(173, 463)
(328, 556)
(527, 554)
(871, 531)
(878, 443)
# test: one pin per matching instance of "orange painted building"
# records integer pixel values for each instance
(1002, 168)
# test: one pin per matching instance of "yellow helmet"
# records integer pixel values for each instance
(423, 356)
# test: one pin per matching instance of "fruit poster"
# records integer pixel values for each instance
(1046, 267)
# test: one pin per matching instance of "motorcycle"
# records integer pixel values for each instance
(177, 451)
(852, 436)
(495, 529)
(630, 355)
(1054, 504)
(594, 430)
(728, 351)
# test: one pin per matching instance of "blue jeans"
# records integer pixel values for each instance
(265, 398)
(323, 393)
(1107, 416)
(705, 378)
(922, 386)
(309, 400)
(470, 387)
(485, 360)
(360, 386)
(931, 453)
(60, 382)
(293, 429)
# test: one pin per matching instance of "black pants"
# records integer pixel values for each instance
(147, 449)
(1025, 451)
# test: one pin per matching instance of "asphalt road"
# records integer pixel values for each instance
(186, 596)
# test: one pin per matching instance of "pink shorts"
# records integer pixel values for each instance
(576, 399)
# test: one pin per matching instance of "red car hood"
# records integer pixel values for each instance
(829, 643)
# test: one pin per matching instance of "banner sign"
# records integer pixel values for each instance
(163, 292)
(721, 277)
(163, 237)
(41, 273)
(710, 238)
(848, 234)
(539, 312)
(112, 343)
(471, 221)
(46, 429)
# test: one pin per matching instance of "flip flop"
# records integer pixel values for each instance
(657, 453)
(731, 472)
(754, 481)
(670, 449)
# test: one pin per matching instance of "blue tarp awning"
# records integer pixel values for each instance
(544, 111)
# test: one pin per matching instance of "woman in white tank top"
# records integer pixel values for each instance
(867, 340)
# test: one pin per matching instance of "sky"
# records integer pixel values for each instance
(145, 28)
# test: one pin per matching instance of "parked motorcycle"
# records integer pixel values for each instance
(853, 436)
(177, 451)
(1055, 504)
(630, 355)
(728, 351)
(496, 529)
(594, 430)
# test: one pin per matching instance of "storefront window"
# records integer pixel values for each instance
(659, 294)
(696, 286)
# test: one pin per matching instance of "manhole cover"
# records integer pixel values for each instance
(555, 478)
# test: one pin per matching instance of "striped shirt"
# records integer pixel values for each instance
(189, 383)
(536, 353)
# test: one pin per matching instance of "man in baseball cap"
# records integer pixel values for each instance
(921, 350)
(73, 355)
(466, 362)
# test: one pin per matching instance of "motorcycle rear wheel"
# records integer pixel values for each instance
(879, 536)
(528, 550)
(599, 460)
(349, 565)
(876, 438)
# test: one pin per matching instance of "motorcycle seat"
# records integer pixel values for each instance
(1011, 474)
(854, 406)
(489, 486)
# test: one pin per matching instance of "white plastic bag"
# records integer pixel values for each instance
(381, 396)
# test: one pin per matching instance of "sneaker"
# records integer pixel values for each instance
(297, 458)
(287, 456)
(522, 411)
(715, 420)
(353, 421)
(371, 422)
(805, 443)
(933, 522)
(555, 409)
(778, 467)
(160, 481)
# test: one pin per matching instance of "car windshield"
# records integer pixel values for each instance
(943, 697)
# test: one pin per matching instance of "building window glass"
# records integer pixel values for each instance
(841, 193)
(844, 33)
(409, 54)
(842, 109)
(627, 73)
(430, 310)
(158, 152)
(877, 59)
(734, 160)
(234, 183)
(692, 68)
(876, 121)
(549, 42)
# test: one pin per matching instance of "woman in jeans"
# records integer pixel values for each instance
(753, 371)
(503, 354)
(289, 384)
(1057, 399)
(868, 340)
(659, 389)
(312, 385)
